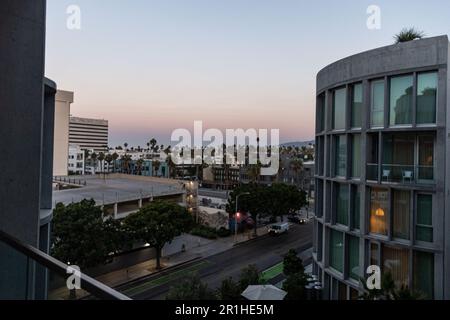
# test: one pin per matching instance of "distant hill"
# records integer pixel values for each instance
(297, 144)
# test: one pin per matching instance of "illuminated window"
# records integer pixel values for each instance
(378, 211)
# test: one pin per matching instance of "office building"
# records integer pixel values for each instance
(89, 134)
(383, 169)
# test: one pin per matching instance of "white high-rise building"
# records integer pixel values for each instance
(90, 134)
(63, 100)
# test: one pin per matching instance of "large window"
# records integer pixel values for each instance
(426, 97)
(396, 262)
(426, 158)
(377, 104)
(357, 100)
(424, 273)
(339, 102)
(337, 250)
(353, 257)
(379, 206)
(356, 207)
(424, 225)
(340, 156)
(342, 200)
(320, 113)
(401, 212)
(401, 100)
(356, 156)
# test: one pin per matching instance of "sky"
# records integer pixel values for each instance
(150, 67)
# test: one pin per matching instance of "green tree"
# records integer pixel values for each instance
(292, 264)
(190, 288)
(282, 199)
(157, 224)
(295, 286)
(408, 34)
(229, 290)
(81, 237)
(249, 276)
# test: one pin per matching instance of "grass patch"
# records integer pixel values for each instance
(272, 272)
(165, 279)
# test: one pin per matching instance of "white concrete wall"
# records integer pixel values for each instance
(63, 101)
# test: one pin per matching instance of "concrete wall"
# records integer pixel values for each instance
(63, 101)
(22, 37)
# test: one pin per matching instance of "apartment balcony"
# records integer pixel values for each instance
(27, 273)
(400, 174)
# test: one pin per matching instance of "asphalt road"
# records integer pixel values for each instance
(264, 252)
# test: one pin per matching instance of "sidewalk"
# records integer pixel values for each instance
(196, 248)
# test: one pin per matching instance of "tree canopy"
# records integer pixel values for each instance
(157, 224)
(81, 237)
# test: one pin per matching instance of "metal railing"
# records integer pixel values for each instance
(397, 173)
(92, 286)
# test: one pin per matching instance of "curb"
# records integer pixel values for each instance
(157, 273)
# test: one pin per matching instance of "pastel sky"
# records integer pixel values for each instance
(150, 67)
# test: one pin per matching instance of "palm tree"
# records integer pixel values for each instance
(156, 165)
(115, 156)
(139, 166)
(297, 166)
(408, 34)
(109, 159)
(86, 156)
(101, 158)
(94, 159)
(126, 159)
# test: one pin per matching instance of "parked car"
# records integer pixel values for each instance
(297, 220)
(278, 228)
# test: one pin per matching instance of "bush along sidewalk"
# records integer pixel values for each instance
(210, 233)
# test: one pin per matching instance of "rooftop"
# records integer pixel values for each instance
(117, 188)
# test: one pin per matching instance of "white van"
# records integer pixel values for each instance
(278, 228)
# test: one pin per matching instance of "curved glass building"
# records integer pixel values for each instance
(383, 169)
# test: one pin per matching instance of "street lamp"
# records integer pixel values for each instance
(237, 214)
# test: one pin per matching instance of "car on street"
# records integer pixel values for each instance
(278, 228)
(297, 219)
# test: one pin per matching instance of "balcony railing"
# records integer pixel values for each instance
(33, 274)
(404, 174)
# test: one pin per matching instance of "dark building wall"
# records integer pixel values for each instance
(22, 44)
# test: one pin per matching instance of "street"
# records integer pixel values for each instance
(264, 252)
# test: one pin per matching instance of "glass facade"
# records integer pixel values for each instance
(424, 224)
(377, 104)
(424, 273)
(342, 200)
(379, 206)
(401, 211)
(340, 156)
(356, 156)
(357, 101)
(426, 97)
(337, 250)
(396, 263)
(356, 207)
(339, 106)
(401, 100)
(353, 257)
